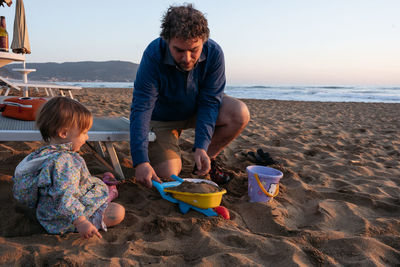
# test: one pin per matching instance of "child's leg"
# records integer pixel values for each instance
(114, 214)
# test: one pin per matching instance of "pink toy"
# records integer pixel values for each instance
(224, 212)
(111, 182)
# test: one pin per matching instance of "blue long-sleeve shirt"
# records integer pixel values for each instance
(163, 92)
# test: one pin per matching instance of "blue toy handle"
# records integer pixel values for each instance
(157, 185)
(176, 178)
(184, 208)
(164, 195)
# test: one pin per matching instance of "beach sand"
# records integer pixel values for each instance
(339, 199)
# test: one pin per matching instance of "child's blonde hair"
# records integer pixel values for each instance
(59, 113)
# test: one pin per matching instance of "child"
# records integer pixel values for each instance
(55, 180)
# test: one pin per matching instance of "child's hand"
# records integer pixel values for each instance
(85, 228)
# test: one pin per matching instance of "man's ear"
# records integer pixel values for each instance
(63, 133)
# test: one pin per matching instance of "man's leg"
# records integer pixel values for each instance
(165, 169)
(164, 153)
(232, 119)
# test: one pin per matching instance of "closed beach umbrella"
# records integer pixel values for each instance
(20, 43)
(8, 2)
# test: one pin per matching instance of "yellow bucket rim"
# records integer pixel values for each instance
(223, 191)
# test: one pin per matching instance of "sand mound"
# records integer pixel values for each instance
(191, 187)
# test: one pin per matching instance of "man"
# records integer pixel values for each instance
(179, 85)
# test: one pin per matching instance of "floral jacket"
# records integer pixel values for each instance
(55, 180)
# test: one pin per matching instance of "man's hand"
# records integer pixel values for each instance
(85, 228)
(145, 173)
(202, 161)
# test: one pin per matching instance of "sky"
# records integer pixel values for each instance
(265, 42)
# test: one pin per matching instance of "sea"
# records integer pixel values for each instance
(384, 94)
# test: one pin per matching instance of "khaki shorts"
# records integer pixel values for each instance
(166, 145)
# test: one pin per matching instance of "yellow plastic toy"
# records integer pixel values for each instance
(208, 204)
(200, 200)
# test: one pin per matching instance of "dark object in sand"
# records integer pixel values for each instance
(261, 158)
(217, 174)
(190, 187)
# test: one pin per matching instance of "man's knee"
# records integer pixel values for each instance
(234, 111)
(242, 113)
(167, 168)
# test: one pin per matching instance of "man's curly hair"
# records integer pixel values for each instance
(184, 22)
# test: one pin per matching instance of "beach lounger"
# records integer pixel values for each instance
(49, 88)
(104, 131)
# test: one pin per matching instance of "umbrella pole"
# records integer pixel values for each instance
(25, 73)
(25, 80)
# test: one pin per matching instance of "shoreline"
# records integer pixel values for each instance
(338, 202)
(367, 96)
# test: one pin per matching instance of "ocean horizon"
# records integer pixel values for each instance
(384, 94)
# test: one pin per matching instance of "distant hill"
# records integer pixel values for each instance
(84, 71)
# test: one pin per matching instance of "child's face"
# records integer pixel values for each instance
(77, 137)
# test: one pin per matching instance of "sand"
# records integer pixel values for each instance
(199, 187)
(339, 199)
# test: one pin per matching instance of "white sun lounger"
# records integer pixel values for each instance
(47, 87)
(104, 130)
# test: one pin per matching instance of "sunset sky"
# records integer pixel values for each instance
(308, 42)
